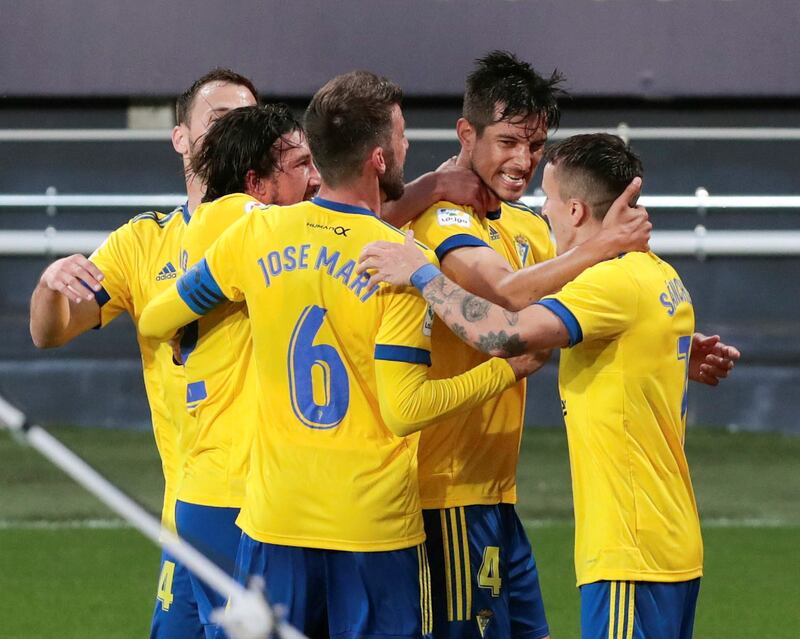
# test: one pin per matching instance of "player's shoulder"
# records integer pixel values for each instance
(145, 226)
(388, 232)
(232, 204)
(519, 210)
(447, 214)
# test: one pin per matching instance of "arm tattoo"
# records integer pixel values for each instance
(474, 309)
(511, 317)
(460, 332)
(501, 343)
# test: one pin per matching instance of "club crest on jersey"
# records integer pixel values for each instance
(483, 618)
(453, 217)
(523, 248)
(167, 273)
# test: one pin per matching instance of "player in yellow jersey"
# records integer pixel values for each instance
(626, 325)
(251, 156)
(485, 581)
(331, 515)
(133, 265)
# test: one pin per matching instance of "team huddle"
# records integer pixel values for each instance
(338, 404)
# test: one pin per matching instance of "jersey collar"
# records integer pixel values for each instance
(185, 212)
(341, 207)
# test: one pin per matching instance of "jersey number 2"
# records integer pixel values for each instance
(318, 381)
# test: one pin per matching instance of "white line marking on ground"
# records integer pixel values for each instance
(117, 524)
(717, 522)
(75, 524)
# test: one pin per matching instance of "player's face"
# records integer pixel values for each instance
(557, 211)
(296, 178)
(391, 182)
(507, 153)
(212, 101)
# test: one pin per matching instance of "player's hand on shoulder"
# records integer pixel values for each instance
(711, 360)
(391, 262)
(462, 186)
(68, 275)
(528, 363)
(627, 225)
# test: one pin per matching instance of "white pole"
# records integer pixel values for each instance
(252, 617)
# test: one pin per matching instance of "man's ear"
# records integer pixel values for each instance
(467, 134)
(580, 212)
(252, 183)
(180, 139)
(377, 160)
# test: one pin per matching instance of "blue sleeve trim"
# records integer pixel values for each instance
(199, 290)
(407, 354)
(423, 275)
(458, 241)
(101, 297)
(566, 316)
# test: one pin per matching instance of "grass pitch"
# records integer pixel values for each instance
(67, 568)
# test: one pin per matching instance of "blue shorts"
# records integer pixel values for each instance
(343, 595)
(175, 613)
(212, 531)
(484, 582)
(638, 609)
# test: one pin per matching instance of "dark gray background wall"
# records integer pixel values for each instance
(752, 302)
(291, 47)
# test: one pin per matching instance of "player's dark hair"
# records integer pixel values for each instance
(346, 119)
(243, 139)
(501, 80)
(593, 167)
(185, 101)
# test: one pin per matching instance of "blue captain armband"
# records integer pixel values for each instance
(423, 275)
(199, 290)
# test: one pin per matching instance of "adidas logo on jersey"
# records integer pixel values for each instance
(167, 273)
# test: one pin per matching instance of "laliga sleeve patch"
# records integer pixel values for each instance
(255, 205)
(453, 217)
(427, 323)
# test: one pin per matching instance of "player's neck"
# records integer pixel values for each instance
(195, 190)
(363, 193)
(463, 160)
(587, 231)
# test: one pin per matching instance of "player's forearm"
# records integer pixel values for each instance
(417, 197)
(528, 285)
(485, 326)
(49, 317)
(54, 320)
(412, 402)
(164, 315)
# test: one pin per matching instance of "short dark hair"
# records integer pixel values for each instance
(500, 79)
(346, 118)
(243, 139)
(185, 101)
(594, 167)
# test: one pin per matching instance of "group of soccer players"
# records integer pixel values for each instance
(323, 431)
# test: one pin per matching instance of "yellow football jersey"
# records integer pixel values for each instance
(220, 375)
(138, 261)
(326, 471)
(623, 389)
(471, 458)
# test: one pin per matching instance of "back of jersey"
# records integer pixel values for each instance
(326, 472)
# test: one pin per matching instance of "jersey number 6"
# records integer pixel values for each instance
(318, 381)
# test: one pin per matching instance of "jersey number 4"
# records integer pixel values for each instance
(318, 380)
